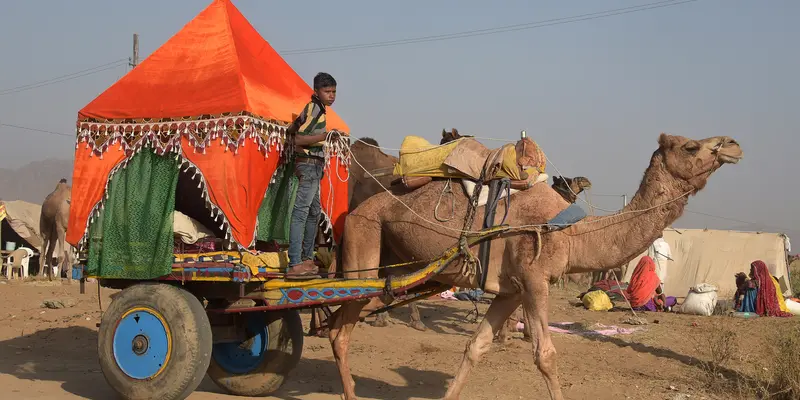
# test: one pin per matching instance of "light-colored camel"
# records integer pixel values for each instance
(569, 189)
(524, 266)
(53, 222)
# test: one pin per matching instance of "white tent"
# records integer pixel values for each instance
(23, 218)
(714, 256)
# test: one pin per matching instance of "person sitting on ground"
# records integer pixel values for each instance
(644, 290)
(746, 291)
(766, 302)
(307, 131)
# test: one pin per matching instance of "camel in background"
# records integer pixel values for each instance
(524, 262)
(53, 222)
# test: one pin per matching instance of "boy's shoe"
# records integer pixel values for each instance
(303, 271)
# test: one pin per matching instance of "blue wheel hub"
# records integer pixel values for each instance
(142, 343)
(246, 356)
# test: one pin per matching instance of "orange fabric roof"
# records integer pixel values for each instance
(217, 63)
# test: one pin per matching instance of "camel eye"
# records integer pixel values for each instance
(691, 147)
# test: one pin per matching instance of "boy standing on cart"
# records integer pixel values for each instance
(308, 131)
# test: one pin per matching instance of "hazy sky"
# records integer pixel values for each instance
(594, 94)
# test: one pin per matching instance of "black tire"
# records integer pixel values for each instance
(189, 338)
(283, 352)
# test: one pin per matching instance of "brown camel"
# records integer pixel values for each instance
(53, 222)
(522, 265)
(362, 186)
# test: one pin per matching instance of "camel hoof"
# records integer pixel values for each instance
(418, 325)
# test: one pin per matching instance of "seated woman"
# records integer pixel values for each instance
(746, 291)
(766, 296)
(644, 290)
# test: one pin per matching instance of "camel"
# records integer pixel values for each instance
(53, 222)
(524, 261)
(362, 186)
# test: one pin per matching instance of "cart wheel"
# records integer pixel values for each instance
(154, 342)
(259, 365)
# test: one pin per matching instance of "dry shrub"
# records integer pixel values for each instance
(723, 348)
(784, 363)
(774, 373)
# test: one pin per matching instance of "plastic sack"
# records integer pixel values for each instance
(597, 300)
(701, 300)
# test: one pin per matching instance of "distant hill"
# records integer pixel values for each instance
(34, 181)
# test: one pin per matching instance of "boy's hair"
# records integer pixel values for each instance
(323, 80)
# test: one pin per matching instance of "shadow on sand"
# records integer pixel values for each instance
(69, 355)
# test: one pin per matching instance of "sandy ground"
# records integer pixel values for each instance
(52, 354)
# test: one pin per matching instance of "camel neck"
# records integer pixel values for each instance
(606, 242)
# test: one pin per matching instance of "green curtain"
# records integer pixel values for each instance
(133, 238)
(275, 213)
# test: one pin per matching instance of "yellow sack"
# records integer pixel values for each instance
(597, 300)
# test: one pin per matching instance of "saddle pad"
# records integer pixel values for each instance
(469, 186)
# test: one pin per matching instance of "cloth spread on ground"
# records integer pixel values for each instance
(133, 235)
(465, 158)
(767, 299)
(275, 213)
(577, 329)
(644, 282)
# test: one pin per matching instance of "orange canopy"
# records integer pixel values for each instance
(216, 80)
(218, 63)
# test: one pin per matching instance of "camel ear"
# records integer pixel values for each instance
(455, 132)
(444, 133)
(664, 140)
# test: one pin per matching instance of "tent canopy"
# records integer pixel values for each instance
(217, 64)
(23, 218)
(217, 97)
(715, 256)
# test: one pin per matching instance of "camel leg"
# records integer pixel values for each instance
(481, 341)
(342, 324)
(66, 263)
(416, 319)
(51, 246)
(43, 256)
(526, 330)
(535, 305)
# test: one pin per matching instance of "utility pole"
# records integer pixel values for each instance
(624, 200)
(135, 59)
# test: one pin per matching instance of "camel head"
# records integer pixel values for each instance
(693, 161)
(448, 137)
(570, 188)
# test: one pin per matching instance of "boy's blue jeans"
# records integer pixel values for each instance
(305, 214)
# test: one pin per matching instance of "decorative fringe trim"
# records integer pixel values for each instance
(165, 137)
(165, 140)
